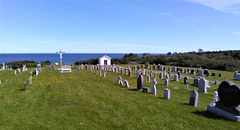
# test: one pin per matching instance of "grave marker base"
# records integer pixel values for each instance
(212, 108)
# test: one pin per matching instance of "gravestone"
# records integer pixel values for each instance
(25, 86)
(166, 93)
(228, 105)
(186, 80)
(119, 79)
(140, 82)
(166, 82)
(121, 83)
(213, 74)
(219, 75)
(175, 77)
(30, 78)
(150, 73)
(126, 83)
(195, 82)
(146, 90)
(179, 75)
(148, 78)
(215, 82)
(160, 75)
(130, 73)
(104, 74)
(0, 81)
(155, 75)
(154, 89)
(203, 85)
(193, 100)
(174, 69)
(121, 71)
(237, 76)
(167, 76)
(99, 73)
(200, 72)
(15, 72)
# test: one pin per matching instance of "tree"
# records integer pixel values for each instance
(169, 53)
(200, 50)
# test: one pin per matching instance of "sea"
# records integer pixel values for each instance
(68, 58)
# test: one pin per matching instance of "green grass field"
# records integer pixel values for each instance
(84, 100)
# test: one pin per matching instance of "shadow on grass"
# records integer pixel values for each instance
(209, 115)
(133, 89)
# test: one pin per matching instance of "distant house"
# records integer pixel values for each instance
(104, 60)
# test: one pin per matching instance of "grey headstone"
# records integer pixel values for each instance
(154, 90)
(166, 83)
(193, 100)
(160, 75)
(175, 77)
(25, 86)
(146, 90)
(166, 93)
(148, 78)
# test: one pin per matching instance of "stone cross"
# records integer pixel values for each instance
(166, 93)
(193, 100)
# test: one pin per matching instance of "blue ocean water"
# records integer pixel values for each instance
(68, 58)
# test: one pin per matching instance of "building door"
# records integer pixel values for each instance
(105, 62)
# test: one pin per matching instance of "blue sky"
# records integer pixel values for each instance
(112, 26)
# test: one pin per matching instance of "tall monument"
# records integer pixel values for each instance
(60, 53)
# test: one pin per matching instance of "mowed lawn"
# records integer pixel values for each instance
(84, 100)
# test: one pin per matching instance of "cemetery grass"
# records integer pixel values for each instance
(84, 100)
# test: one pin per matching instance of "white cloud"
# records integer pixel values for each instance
(231, 6)
(235, 33)
(165, 13)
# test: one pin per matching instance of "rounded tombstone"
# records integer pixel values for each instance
(229, 94)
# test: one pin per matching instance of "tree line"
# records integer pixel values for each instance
(220, 60)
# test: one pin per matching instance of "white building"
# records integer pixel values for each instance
(104, 60)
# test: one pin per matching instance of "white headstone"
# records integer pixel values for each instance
(166, 83)
(203, 85)
(175, 77)
(160, 75)
(15, 72)
(154, 90)
(119, 79)
(166, 93)
(126, 83)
